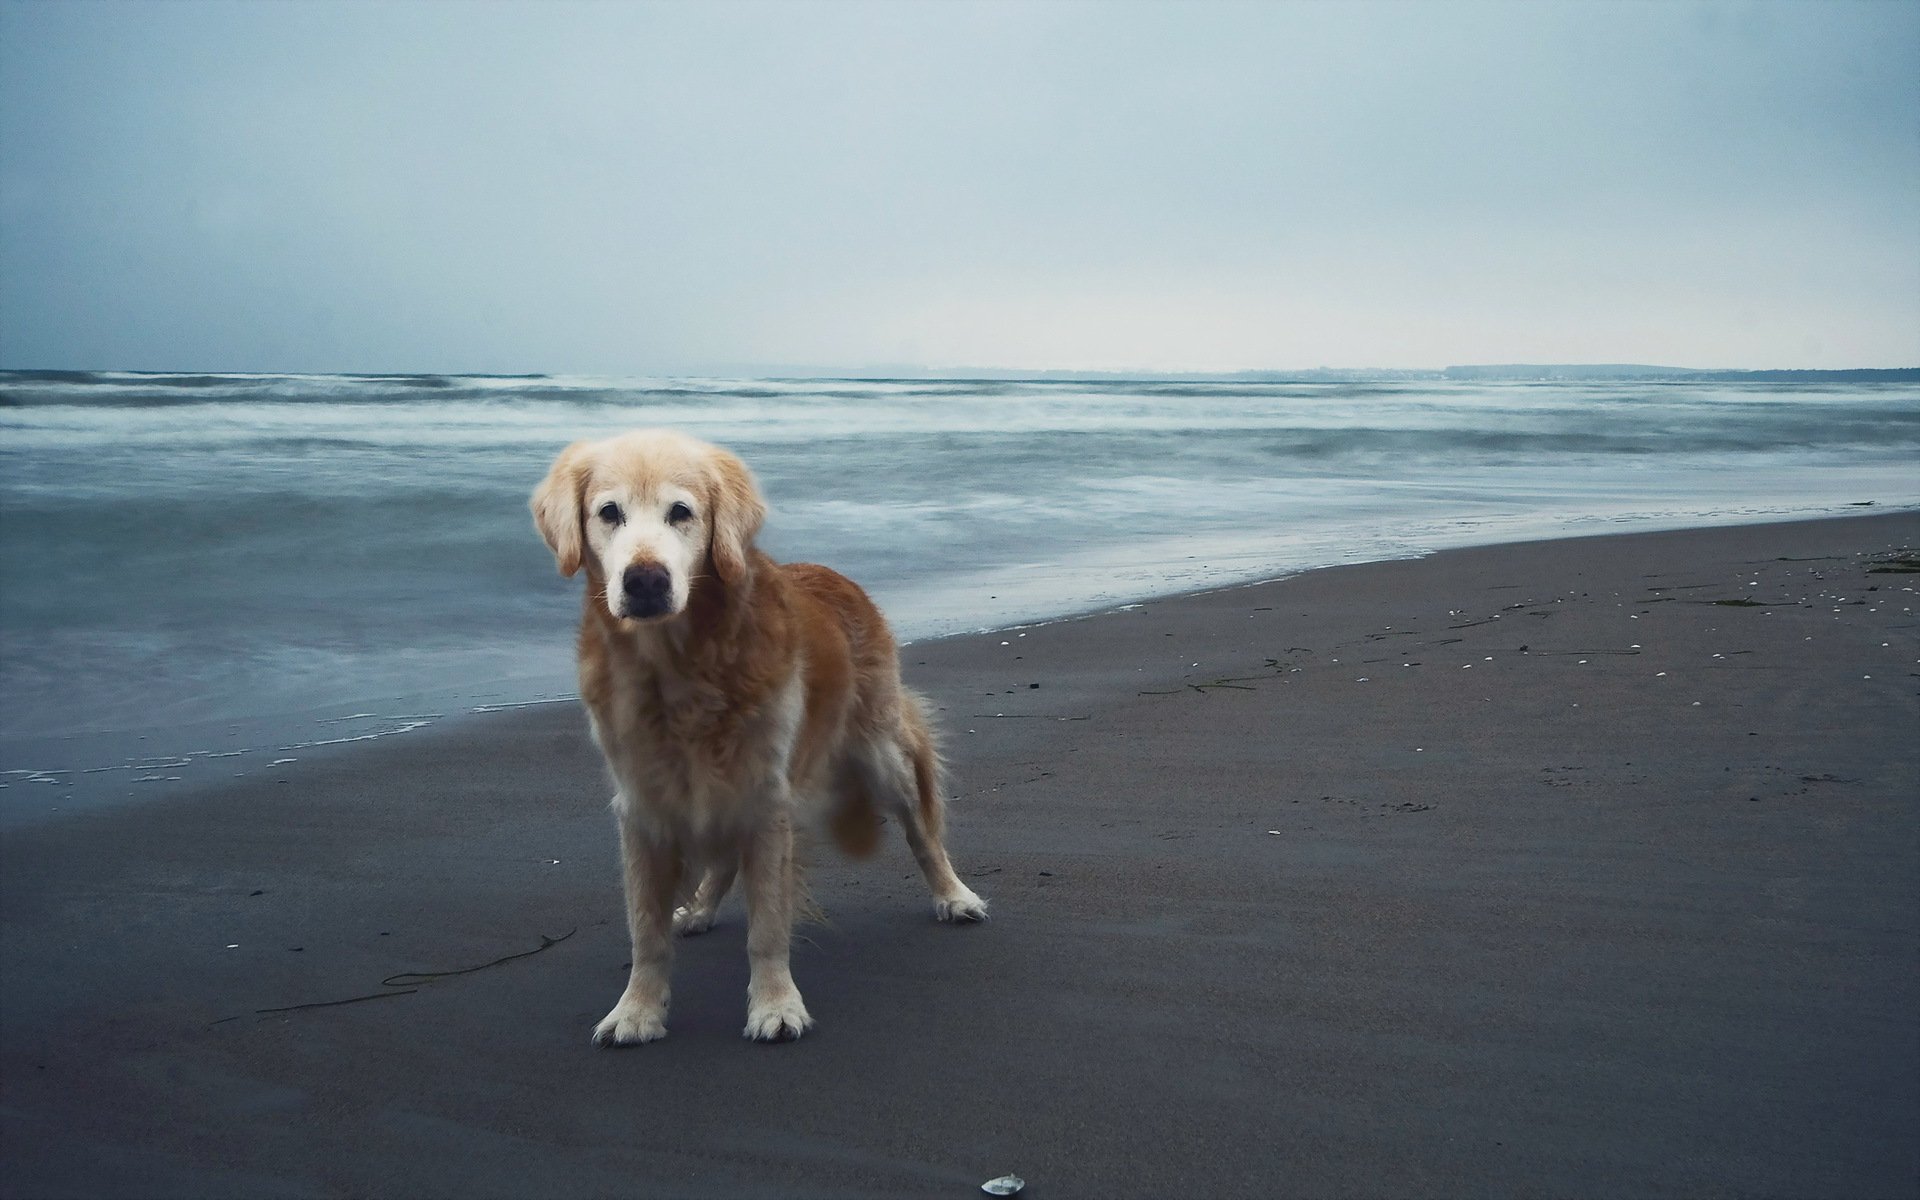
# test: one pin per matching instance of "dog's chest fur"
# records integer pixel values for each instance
(691, 758)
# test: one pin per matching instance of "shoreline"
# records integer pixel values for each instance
(1577, 867)
(53, 776)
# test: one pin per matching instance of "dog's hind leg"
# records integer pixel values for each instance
(905, 771)
(696, 915)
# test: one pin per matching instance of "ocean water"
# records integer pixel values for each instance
(203, 576)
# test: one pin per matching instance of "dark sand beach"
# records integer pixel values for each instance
(1578, 868)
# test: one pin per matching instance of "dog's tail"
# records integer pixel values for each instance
(855, 821)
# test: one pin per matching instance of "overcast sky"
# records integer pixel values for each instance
(643, 188)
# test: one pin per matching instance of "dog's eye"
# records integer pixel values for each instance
(678, 513)
(611, 514)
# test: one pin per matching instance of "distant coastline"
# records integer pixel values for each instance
(1483, 373)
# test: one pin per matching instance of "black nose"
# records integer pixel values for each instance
(649, 589)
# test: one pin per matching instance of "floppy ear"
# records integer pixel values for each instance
(738, 512)
(556, 507)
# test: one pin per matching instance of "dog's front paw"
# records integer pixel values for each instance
(962, 907)
(779, 1020)
(690, 922)
(631, 1023)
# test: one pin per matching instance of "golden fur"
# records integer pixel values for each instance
(735, 699)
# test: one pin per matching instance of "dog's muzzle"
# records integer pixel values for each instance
(648, 589)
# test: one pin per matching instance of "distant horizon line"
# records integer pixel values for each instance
(885, 371)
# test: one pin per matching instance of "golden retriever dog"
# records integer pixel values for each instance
(737, 701)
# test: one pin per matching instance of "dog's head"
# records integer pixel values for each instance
(649, 514)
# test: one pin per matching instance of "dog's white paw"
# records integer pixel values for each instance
(779, 1020)
(691, 922)
(631, 1023)
(962, 907)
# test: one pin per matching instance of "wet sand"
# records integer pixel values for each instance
(1585, 867)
